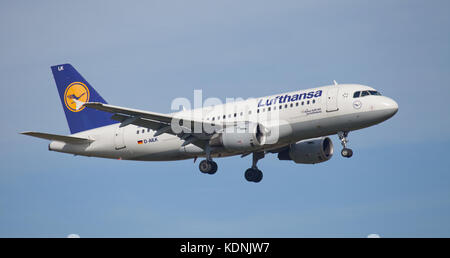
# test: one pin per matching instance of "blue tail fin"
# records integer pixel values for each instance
(74, 89)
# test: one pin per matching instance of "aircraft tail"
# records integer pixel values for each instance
(74, 91)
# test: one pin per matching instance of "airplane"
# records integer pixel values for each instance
(294, 125)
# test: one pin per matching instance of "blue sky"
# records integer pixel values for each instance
(143, 54)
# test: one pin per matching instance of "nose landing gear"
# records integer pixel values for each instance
(345, 152)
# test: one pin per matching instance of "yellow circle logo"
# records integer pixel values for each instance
(75, 96)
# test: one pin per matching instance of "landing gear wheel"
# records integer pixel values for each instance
(253, 175)
(259, 176)
(346, 152)
(204, 166)
(214, 168)
(249, 175)
(208, 167)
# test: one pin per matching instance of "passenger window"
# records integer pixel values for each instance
(364, 93)
(234, 114)
(137, 132)
(148, 130)
(213, 119)
(307, 102)
(296, 104)
(356, 94)
(314, 101)
(292, 104)
(281, 106)
(143, 130)
(249, 112)
(303, 103)
(268, 109)
(224, 116)
(285, 106)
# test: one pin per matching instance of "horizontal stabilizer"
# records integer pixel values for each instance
(56, 137)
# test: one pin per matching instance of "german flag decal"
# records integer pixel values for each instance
(140, 142)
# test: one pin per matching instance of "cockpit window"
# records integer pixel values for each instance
(364, 93)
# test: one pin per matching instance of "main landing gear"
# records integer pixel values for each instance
(208, 166)
(253, 174)
(345, 152)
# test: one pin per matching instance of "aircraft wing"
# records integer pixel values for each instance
(57, 137)
(159, 122)
(130, 112)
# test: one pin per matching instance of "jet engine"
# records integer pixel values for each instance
(240, 137)
(309, 151)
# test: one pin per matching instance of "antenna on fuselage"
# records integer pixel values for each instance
(335, 83)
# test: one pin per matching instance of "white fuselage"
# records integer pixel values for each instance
(330, 110)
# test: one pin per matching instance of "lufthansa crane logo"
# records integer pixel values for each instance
(75, 96)
(357, 104)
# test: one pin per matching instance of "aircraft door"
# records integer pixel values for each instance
(332, 99)
(119, 140)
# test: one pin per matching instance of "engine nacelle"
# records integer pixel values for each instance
(309, 151)
(240, 137)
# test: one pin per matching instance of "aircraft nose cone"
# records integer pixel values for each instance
(390, 106)
(393, 105)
